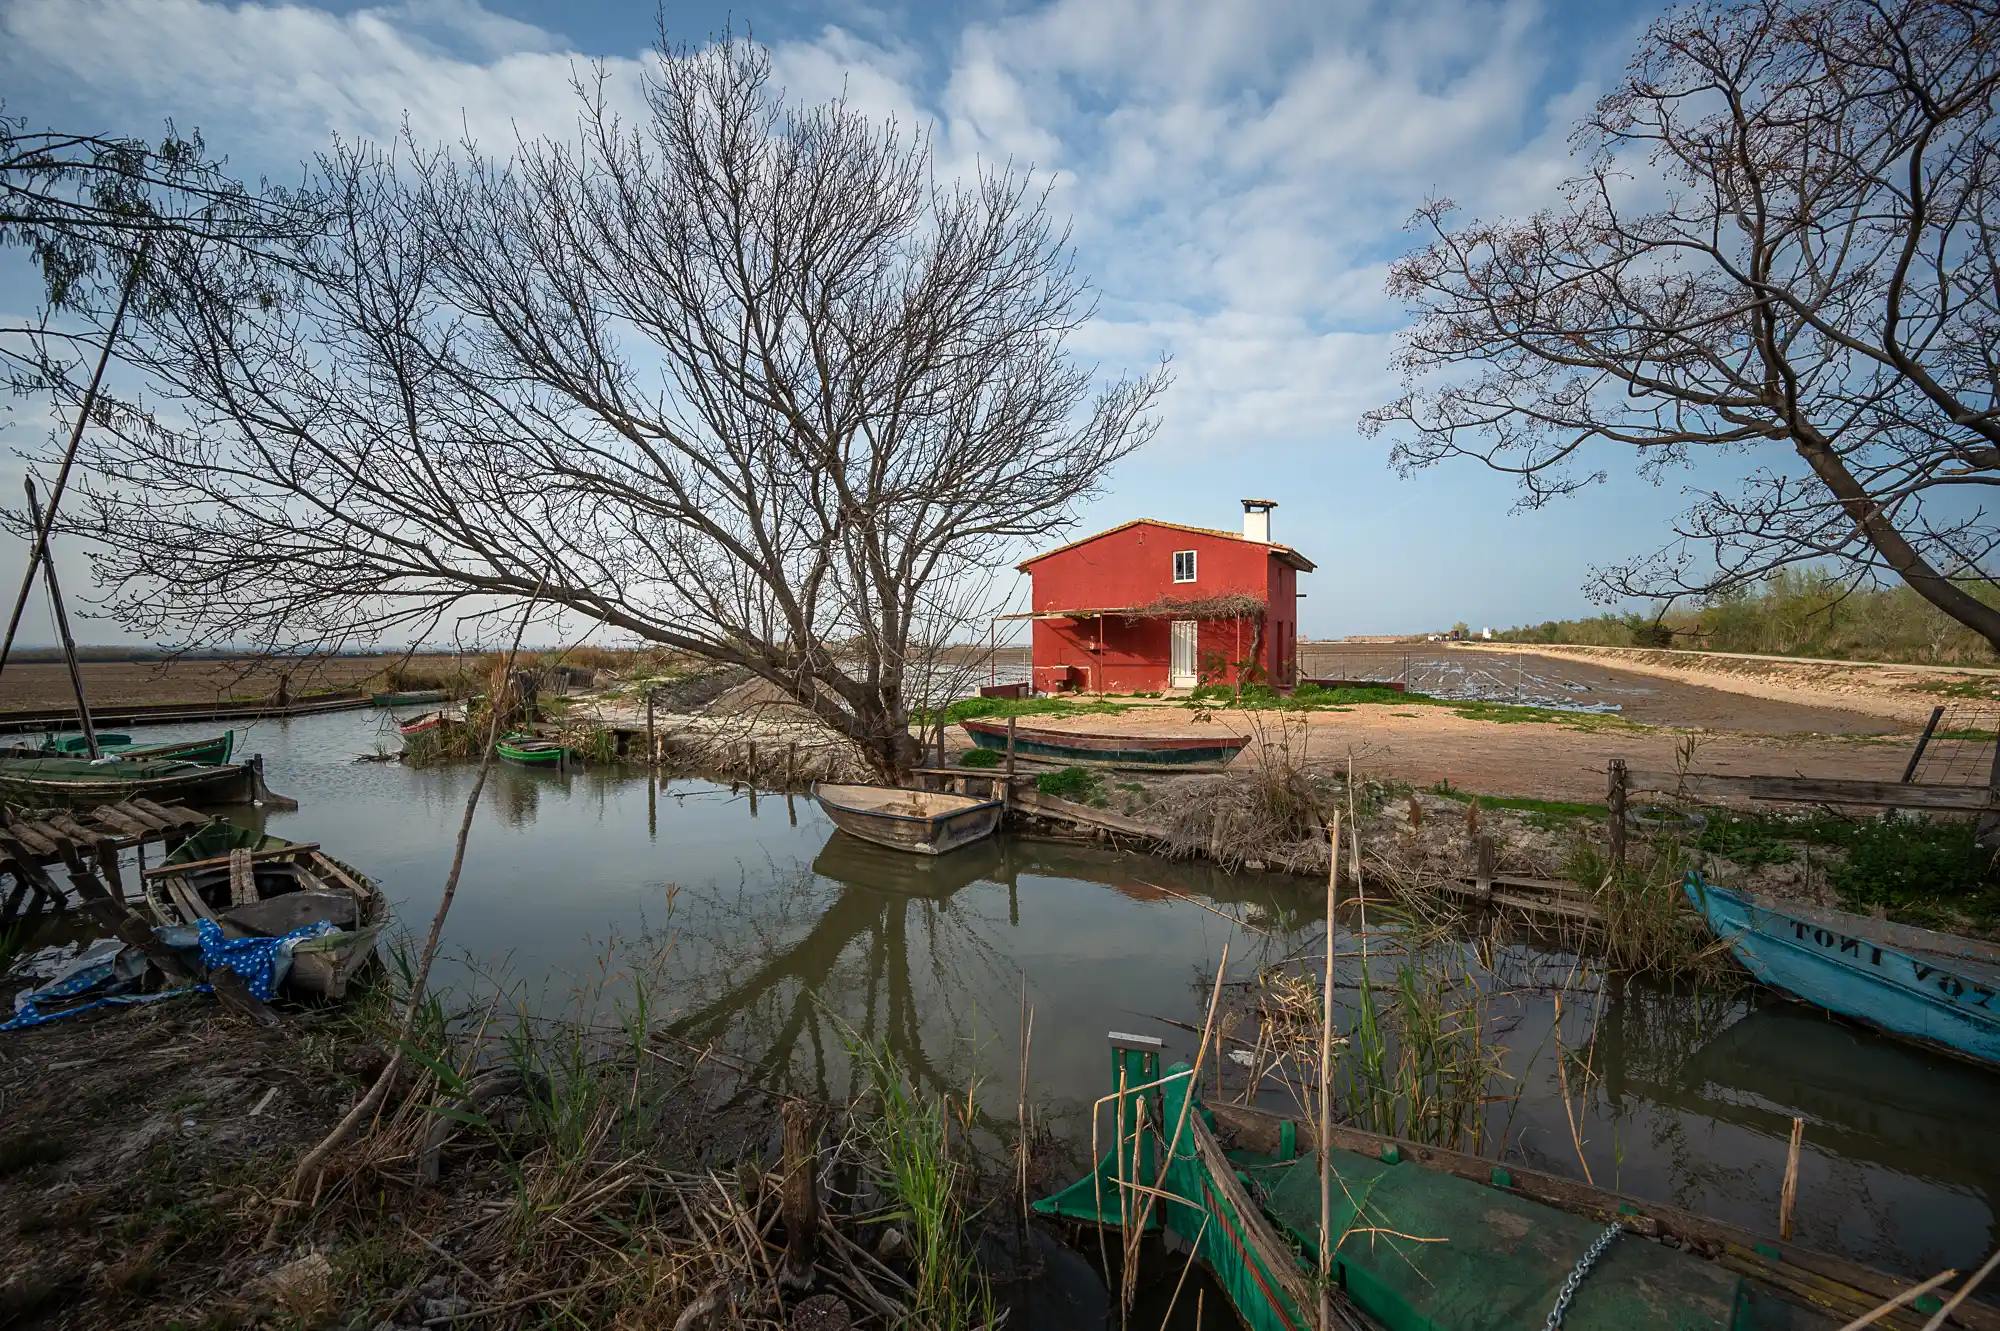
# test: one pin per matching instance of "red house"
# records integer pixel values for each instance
(1154, 605)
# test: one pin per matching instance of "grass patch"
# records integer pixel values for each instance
(1071, 783)
(1918, 870)
(1514, 714)
(980, 709)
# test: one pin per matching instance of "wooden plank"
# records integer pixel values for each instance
(123, 823)
(1821, 790)
(242, 882)
(222, 861)
(34, 839)
(191, 905)
(1048, 806)
(354, 883)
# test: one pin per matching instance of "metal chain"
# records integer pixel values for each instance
(1583, 1266)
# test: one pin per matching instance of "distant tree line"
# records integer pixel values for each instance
(1794, 612)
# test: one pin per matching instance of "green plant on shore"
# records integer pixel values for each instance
(981, 758)
(986, 709)
(1648, 926)
(1919, 870)
(928, 1187)
(1070, 783)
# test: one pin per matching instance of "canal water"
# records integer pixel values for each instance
(760, 930)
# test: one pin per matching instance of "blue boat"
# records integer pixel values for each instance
(1934, 988)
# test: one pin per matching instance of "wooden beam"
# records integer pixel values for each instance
(222, 861)
(1820, 790)
(1048, 806)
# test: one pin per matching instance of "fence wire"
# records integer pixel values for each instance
(1960, 752)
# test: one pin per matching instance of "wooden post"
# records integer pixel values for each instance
(799, 1202)
(1615, 799)
(1989, 823)
(791, 765)
(62, 621)
(1483, 874)
(652, 734)
(1788, 1196)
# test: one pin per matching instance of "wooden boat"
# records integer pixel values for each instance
(211, 751)
(1430, 1238)
(253, 885)
(407, 697)
(74, 781)
(923, 822)
(418, 724)
(528, 750)
(1937, 989)
(1088, 750)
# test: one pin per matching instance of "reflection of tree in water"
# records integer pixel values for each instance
(782, 987)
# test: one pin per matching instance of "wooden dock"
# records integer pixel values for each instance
(166, 713)
(84, 845)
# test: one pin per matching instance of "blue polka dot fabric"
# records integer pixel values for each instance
(261, 963)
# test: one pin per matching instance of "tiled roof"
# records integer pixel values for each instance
(1284, 552)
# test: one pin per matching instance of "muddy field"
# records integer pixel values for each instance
(1592, 685)
(36, 685)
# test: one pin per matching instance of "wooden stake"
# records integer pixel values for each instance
(1326, 1089)
(791, 765)
(62, 619)
(799, 1202)
(1483, 872)
(38, 552)
(1964, 1291)
(1010, 753)
(1788, 1196)
(1615, 800)
(652, 734)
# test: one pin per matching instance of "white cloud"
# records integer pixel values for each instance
(1237, 174)
(282, 79)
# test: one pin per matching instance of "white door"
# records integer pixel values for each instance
(1180, 660)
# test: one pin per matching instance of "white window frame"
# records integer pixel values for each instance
(1190, 564)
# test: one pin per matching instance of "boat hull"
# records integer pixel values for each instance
(529, 753)
(920, 822)
(1090, 750)
(72, 781)
(407, 698)
(1903, 981)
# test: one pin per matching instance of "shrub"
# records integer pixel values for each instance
(981, 758)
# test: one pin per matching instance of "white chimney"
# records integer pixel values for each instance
(1257, 520)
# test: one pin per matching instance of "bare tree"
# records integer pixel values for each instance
(1785, 246)
(740, 379)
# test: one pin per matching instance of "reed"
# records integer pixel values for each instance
(928, 1188)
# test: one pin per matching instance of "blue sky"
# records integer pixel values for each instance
(1238, 176)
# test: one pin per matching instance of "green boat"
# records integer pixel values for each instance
(211, 751)
(529, 750)
(42, 782)
(1434, 1240)
(407, 697)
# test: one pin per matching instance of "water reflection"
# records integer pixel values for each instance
(775, 940)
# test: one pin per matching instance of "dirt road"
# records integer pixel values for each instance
(1830, 702)
(1425, 745)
